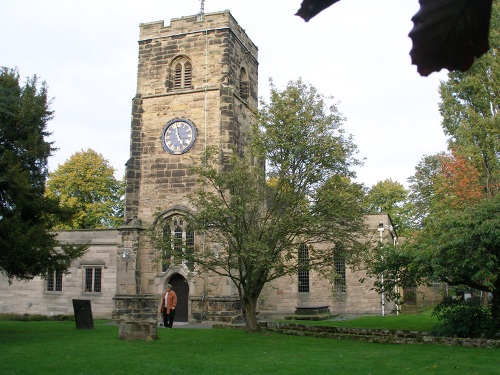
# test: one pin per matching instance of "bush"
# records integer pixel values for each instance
(35, 317)
(462, 319)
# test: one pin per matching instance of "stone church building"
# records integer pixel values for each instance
(197, 87)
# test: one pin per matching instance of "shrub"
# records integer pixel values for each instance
(35, 317)
(462, 319)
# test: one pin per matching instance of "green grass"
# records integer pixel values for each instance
(59, 348)
(413, 322)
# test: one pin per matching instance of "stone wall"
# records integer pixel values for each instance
(281, 296)
(158, 183)
(32, 297)
(379, 335)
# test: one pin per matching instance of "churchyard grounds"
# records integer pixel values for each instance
(57, 347)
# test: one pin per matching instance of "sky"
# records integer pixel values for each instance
(356, 51)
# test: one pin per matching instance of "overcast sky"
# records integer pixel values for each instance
(356, 51)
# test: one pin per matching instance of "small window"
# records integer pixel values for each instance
(340, 276)
(93, 279)
(182, 74)
(54, 282)
(244, 88)
(303, 273)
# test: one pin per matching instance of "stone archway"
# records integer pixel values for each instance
(181, 287)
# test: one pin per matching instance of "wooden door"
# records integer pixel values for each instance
(181, 288)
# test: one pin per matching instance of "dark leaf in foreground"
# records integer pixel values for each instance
(310, 8)
(449, 34)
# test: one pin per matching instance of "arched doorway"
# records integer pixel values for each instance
(181, 288)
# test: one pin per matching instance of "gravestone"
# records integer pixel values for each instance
(83, 314)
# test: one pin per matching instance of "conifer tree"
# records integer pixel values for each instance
(28, 248)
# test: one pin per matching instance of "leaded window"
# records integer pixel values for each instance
(93, 279)
(178, 243)
(303, 272)
(340, 275)
(54, 281)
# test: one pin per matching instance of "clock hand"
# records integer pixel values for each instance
(178, 136)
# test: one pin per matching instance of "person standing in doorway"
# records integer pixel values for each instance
(168, 304)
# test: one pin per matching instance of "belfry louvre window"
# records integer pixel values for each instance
(303, 273)
(178, 243)
(93, 279)
(54, 282)
(183, 74)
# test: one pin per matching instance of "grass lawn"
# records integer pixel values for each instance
(59, 348)
(423, 321)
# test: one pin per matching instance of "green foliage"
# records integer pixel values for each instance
(390, 197)
(28, 247)
(401, 266)
(34, 317)
(470, 106)
(301, 137)
(422, 193)
(85, 184)
(458, 318)
(255, 219)
(461, 248)
(455, 197)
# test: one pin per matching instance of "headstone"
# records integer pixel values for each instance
(83, 314)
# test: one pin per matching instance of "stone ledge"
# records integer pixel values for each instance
(380, 335)
(312, 310)
(315, 317)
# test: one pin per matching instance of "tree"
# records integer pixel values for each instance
(462, 247)
(85, 184)
(458, 184)
(458, 242)
(456, 246)
(422, 187)
(257, 218)
(390, 197)
(470, 107)
(28, 247)
(446, 34)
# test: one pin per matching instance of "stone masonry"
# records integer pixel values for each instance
(221, 60)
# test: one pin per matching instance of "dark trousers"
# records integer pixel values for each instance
(168, 319)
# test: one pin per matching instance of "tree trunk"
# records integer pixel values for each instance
(251, 324)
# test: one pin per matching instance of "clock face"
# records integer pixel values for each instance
(178, 136)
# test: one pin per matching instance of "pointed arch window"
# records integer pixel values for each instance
(182, 74)
(179, 241)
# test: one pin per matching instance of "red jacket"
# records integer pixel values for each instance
(171, 303)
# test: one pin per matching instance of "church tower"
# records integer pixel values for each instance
(196, 88)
